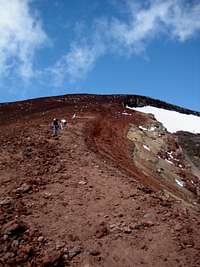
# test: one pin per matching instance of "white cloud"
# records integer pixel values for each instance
(76, 64)
(184, 21)
(21, 34)
(171, 18)
(81, 59)
(175, 19)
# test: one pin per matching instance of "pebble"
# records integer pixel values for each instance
(94, 252)
(137, 208)
(47, 195)
(178, 227)
(5, 237)
(82, 182)
(40, 238)
(127, 230)
(59, 245)
(114, 226)
(5, 201)
(101, 230)
(148, 223)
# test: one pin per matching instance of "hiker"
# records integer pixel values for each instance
(63, 124)
(55, 126)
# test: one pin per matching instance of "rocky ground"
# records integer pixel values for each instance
(95, 196)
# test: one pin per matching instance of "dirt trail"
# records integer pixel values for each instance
(72, 200)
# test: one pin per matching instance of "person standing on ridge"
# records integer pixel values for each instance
(55, 126)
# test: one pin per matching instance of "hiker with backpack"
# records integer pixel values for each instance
(55, 126)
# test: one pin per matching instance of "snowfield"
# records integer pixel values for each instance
(173, 121)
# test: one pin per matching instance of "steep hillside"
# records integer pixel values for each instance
(115, 188)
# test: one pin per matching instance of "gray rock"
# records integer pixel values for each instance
(74, 251)
(24, 188)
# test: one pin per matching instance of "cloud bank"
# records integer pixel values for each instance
(146, 20)
(21, 34)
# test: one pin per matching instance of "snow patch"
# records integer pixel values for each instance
(169, 161)
(173, 121)
(179, 182)
(170, 153)
(142, 128)
(152, 129)
(125, 113)
(146, 147)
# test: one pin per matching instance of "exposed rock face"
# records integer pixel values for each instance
(158, 154)
(113, 189)
(141, 101)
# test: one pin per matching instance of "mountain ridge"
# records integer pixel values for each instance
(52, 102)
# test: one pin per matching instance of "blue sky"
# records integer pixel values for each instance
(149, 47)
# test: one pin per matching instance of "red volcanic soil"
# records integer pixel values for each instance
(77, 199)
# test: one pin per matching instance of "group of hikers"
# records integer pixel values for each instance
(58, 125)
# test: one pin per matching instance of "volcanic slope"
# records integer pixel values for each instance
(113, 189)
